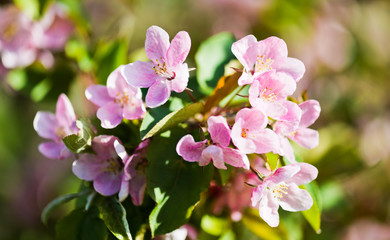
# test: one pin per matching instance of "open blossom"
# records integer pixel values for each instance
(263, 56)
(281, 188)
(166, 72)
(55, 127)
(116, 101)
(294, 125)
(22, 40)
(219, 152)
(250, 135)
(270, 91)
(104, 168)
(134, 177)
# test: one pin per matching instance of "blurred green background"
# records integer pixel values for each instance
(344, 45)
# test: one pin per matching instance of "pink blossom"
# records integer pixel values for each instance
(116, 101)
(269, 91)
(104, 168)
(16, 46)
(134, 178)
(219, 152)
(281, 188)
(305, 114)
(263, 56)
(55, 127)
(166, 72)
(250, 135)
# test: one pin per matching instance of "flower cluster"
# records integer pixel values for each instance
(23, 41)
(265, 124)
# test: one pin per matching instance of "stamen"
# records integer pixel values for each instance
(243, 132)
(114, 165)
(279, 190)
(162, 70)
(268, 95)
(262, 64)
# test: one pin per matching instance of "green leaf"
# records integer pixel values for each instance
(261, 229)
(313, 215)
(59, 201)
(214, 225)
(212, 56)
(225, 86)
(114, 216)
(81, 225)
(82, 142)
(156, 122)
(175, 185)
(29, 7)
(272, 160)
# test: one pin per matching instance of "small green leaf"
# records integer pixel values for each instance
(59, 201)
(114, 216)
(225, 86)
(211, 58)
(82, 142)
(214, 225)
(175, 185)
(313, 215)
(272, 160)
(81, 225)
(155, 123)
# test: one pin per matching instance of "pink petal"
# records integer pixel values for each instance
(179, 49)
(110, 115)
(87, 167)
(18, 58)
(258, 194)
(245, 145)
(45, 123)
(156, 43)
(235, 158)
(306, 137)
(134, 110)
(214, 154)
(180, 82)
(140, 74)
(265, 141)
(245, 78)
(306, 174)
(290, 66)
(103, 145)
(54, 150)
(98, 94)
(252, 118)
(158, 94)
(296, 199)
(289, 122)
(120, 150)
(107, 183)
(124, 190)
(283, 174)
(268, 210)
(64, 112)
(240, 50)
(286, 149)
(310, 112)
(273, 47)
(137, 189)
(116, 83)
(274, 110)
(219, 130)
(190, 150)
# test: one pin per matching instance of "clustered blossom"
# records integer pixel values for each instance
(265, 125)
(23, 41)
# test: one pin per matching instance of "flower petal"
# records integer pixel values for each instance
(289, 122)
(296, 199)
(286, 149)
(103, 145)
(215, 154)
(265, 140)
(240, 50)
(45, 124)
(306, 137)
(140, 74)
(258, 194)
(54, 150)
(134, 109)
(110, 115)
(87, 167)
(137, 188)
(245, 145)
(98, 94)
(190, 150)
(180, 82)
(273, 47)
(179, 49)
(64, 112)
(219, 130)
(158, 94)
(116, 83)
(306, 174)
(268, 209)
(310, 112)
(120, 150)
(107, 183)
(235, 158)
(156, 43)
(290, 66)
(284, 173)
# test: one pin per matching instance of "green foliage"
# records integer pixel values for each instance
(156, 121)
(82, 142)
(175, 185)
(211, 58)
(81, 225)
(313, 215)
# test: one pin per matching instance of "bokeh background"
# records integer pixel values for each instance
(344, 45)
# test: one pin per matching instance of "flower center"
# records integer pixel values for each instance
(262, 64)
(61, 133)
(113, 165)
(122, 98)
(279, 190)
(9, 31)
(141, 166)
(243, 132)
(268, 95)
(162, 70)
